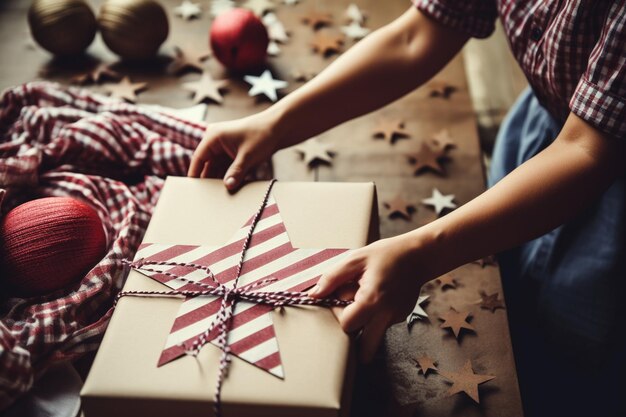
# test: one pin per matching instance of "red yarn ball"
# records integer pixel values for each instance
(48, 244)
(239, 40)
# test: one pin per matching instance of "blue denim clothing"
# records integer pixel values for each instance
(564, 290)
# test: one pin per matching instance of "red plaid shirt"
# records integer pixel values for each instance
(573, 52)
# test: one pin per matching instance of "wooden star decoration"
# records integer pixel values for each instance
(188, 10)
(317, 20)
(490, 302)
(355, 14)
(418, 312)
(446, 281)
(125, 89)
(265, 84)
(96, 75)
(390, 130)
(259, 7)
(440, 202)
(315, 152)
(427, 158)
(187, 58)
(442, 140)
(465, 380)
(399, 207)
(442, 89)
(487, 261)
(425, 364)
(206, 88)
(455, 321)
(326, 44)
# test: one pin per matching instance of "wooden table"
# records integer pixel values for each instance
(391, 385)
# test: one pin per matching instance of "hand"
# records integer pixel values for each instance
(231, 149)
(386, 274)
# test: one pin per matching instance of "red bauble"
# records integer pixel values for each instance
(48, 244)
(239, 40)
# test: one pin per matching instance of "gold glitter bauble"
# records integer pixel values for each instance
(133, 29)
(63, 27)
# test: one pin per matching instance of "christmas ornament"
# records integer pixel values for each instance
(427, 158)
(439, 202)
(355, 31)
(455, 321)
(418, 312)
(316, 19)
(425, 364)
(239, 40)
(265, 84)
(186, 58)
(326, 44)
(465, 380)
(188, 10)
(48, 244)
(315, 152)
(125, 89)
(133, 29)
(62, 27)
(206, 88)
(399, 207)
(390, 130)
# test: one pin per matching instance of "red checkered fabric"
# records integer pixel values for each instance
(58, 141)
(573, 52)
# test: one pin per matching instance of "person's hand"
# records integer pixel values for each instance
(385, 283)
(232, 149)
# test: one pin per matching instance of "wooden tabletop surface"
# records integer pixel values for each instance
(391, 385)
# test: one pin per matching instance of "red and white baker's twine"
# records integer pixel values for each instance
(229, 297)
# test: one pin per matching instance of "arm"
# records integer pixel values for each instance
(539, 195)
(384, 66)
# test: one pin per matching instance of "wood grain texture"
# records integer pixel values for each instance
(391, 385)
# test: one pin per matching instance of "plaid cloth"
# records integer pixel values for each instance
(58, 141)
(573, 52)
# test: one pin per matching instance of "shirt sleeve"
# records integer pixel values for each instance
(600, 97)
(475, 17)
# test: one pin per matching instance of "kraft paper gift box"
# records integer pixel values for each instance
(126, 379)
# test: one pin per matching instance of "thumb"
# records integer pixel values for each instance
(237, 171)
(342, 273)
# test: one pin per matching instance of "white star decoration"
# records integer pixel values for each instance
(265, 84)
(188, 10)
(220, 6)
(275, 28)
(355, 14)
(290, 2)
(273, 49)
(439, 201)
(418, 312)
(355, 31)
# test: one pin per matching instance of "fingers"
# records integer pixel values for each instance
(237, 171)
(372, 336)
(358, 314)
(339, 275)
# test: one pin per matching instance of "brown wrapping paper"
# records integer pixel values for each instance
(125, 380)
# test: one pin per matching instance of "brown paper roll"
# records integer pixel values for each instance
(133, 29)
(63, 27)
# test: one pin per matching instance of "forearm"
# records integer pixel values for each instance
(384, 66)
(538, 196)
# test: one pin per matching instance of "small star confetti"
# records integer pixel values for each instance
(390, 130)
(275, 29)
(326, 44)
(442, 140)
(188, 59)
(259, 7)
(291, 2)
(399, 207)
(487, 261)
(354, 14)
(265, 84)
(418, 312)
(490, 302)
(188, 10)
(125, 89)
(220, 6)
(96, 75)
(447, 281)
(465, 380)
(427, 158)
(355, 31)
(206, 88)
(316, 19)
(302, 76)
(440, 202)
(314, 152)
(426, 364)
(273, 49)
(455, 321)
(441, 89)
